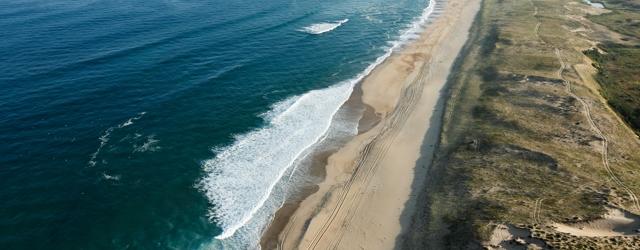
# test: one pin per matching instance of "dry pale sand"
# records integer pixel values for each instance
(369, 181)
(615, 223)
(510, 237)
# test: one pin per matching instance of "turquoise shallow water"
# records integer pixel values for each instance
(143, 124)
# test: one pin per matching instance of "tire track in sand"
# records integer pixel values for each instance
(369, 159)
(535, 215)
(605, 141)
(411, 94)
(375, 150)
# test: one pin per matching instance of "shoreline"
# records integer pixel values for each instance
(369, 182)
(367, 119)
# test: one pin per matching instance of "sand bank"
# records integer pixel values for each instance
(369, 181)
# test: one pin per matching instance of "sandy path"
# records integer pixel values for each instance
(536, 30)
(368, 182)
(605, 141)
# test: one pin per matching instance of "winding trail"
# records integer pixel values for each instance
(605, 141)
(535, 214)
(536, 30)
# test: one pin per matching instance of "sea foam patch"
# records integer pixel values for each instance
(319, 28)
(106, 136)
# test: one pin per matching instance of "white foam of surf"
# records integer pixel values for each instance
(106, 135)
(319, 28)
(150, 145)
(110, 177)
(241, 177)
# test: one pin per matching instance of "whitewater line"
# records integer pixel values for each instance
(324, 137)
(231, 231)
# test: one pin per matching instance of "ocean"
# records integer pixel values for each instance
(175, 124)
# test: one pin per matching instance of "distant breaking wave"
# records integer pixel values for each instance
(319, 28)
(241, 178)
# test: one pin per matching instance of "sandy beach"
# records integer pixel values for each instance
(366, 197)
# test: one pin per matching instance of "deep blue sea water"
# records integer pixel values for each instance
(166, 124)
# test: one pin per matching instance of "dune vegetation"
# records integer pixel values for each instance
(530, 140)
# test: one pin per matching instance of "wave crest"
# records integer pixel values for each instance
(319, 28)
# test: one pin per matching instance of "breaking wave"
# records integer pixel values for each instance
(319, 28)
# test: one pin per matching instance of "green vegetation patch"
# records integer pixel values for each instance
(619, 76)
(625, 22)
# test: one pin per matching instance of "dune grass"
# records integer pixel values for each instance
(619, 76)
(619, 65)
(513, 135)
